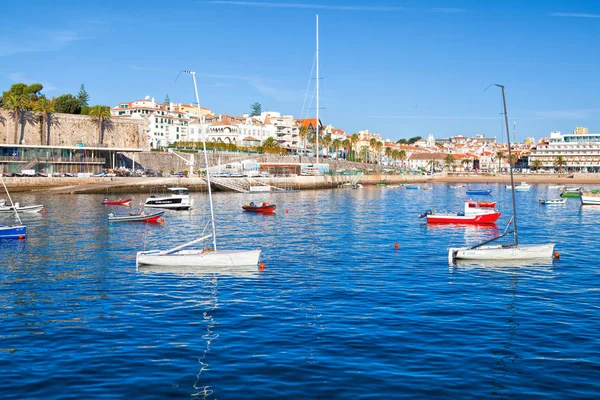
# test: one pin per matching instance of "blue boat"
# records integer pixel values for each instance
(13, 232)
(484, 192)
(411, 187)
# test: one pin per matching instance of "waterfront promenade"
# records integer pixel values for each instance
(107, 186)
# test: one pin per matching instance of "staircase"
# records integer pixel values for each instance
(28, 165)
(255, 182)
(231, 183)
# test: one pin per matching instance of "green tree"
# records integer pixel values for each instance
(326, 143)
(354, 139)
(465, 162)
(402, 141)
(347, 145)
(83, 97)
(15, 103)
(303, 134)
(379, 147)
(414, 139)
(44, 107)
(402, 157)
(270, 145)
(256, 109)
(536, 164)
(30, 92)
(449, 160)
(372, 147)
(100, 114)
(336, 144)
(67, 104)
(560, 163)
(365, 153)
(500, 156)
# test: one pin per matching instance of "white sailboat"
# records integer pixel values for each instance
(510, 251)
(12, 231)
(183, 256)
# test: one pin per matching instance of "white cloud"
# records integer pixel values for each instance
(39, 41)
(573, 15)
(267, 87)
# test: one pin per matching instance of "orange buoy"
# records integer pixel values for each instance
(43, 211)
(396, 246)
(287, 211)
(21, 237)
(556, 255)
(162, 219)
(262, 266)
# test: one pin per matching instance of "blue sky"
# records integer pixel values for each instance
(398, 68)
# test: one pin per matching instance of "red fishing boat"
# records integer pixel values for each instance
(471, 215)
(118, 202)
(264, 208)
(483, 204)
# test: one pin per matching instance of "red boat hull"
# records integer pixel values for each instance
(120, 202)
(463, 219)
(260, 209)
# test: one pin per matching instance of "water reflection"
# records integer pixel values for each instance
(248, 271)
(205, 390)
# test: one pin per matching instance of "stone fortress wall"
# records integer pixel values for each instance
(68, 130)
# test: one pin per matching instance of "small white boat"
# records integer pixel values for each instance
(590, 197)
(457, 186)
(21, 209)
(553, 202)
(502, 252)
(556, 186)
(211, 258)
(179, 199)
(427, 188)
(521, 187)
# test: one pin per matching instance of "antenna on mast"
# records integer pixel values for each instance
(514, 131)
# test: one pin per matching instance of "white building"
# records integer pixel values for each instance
(166, 123)
(580, 151)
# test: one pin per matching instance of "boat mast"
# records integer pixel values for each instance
(512, 182)
(317, 139)
(212, 213)
(14, 206)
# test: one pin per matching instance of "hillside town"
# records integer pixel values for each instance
(171, 124)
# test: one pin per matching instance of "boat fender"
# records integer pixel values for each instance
(111, 215)
(556, 255)
(252, 204)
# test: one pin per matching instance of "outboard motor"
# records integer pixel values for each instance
(426, 213)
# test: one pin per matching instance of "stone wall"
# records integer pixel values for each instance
(68, 130)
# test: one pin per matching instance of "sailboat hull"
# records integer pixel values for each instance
(499, 252)
(198, 258)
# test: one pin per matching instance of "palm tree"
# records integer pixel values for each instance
(536, 163)
(303, 134)
(15, 103)
(402, 157)
(449, 160)
(388, 154)
(372, 145)
(270, 145)
(365, 152)
(395, 156)
(354, 139)
(500, 156)
(45, 107)
(326, 142)
(378, 147)
(337, 145)
(100, 114)
(559, 162)
(465, 162)
(347, 145)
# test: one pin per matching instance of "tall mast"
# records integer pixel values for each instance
(11, 202)
(212, 213)
(317, 139)
(512, 182)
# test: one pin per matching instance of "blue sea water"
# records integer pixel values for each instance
(338, 312)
